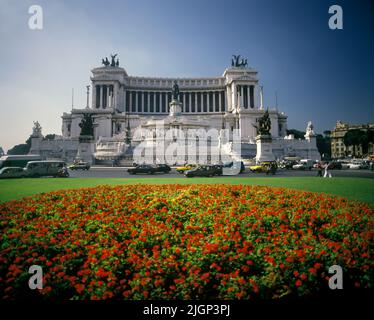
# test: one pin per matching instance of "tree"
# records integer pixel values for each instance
(50, 136)
(353, 137)
(324, 145)
(22, 148)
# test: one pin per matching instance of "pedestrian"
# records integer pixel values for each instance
(327, 172)
(319, 168)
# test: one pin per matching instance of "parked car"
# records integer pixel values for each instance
(44, 168)
(81, 165)
(186, 167)
(264, 167)
(335, 165)
(142, 168)
(12, 172)
(201, 171)
(162, 168)
(304, 164)
(354, 166)
(234, 165)
(217, 169)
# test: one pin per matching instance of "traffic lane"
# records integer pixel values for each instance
(121, 172)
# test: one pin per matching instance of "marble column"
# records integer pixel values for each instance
(142, 101)
(207, 101)
(130, 101)
(195, 101)
(189, 101)
(235, 96)
(136, 102)
(214, 101)
(101, 97)
(241, 97)
(220, 101)
(248, 100)
(184, 102)
(160, 101)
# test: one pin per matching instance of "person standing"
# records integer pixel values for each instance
(327, 172)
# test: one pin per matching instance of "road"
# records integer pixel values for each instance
(120, 172)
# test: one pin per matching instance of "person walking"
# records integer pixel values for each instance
(327, 172)
(319, 168)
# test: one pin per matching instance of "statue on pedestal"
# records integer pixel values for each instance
(309, 132)
(37, 129)
(264, 124)
(86, 126)
(236, 62)
(113, 64)
(175, 91)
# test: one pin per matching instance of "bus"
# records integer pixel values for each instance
(44, 168)
(18, 160)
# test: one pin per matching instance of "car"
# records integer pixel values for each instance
(12, 172)
(201, 171)
(142, 168)
(335, 165)
(304, 164)
(186, 167)
(217, 169)
(354, 166)
(257, 168)
(234, 165)
(162, 168)
(81, 165)
(266, 166)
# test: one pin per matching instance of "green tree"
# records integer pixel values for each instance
(50, 136)
(354, 137)
(22, 148)
(324, 145)
(297, 133)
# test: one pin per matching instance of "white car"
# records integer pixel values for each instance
(354, 166)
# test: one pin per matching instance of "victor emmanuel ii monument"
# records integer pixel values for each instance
(127, 111)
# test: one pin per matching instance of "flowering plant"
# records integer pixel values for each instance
(183, 242)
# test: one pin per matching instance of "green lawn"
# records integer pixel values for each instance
(353, 188)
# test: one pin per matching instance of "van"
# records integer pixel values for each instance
(44, 168)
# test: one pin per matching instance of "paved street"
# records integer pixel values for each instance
(121, 172)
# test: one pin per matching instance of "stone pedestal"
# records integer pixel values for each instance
(175, 108)
(264, 148)
(85, 151)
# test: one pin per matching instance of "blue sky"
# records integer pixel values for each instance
(319, 74)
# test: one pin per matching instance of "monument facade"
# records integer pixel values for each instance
(121, 104)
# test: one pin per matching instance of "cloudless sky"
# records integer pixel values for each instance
(319, 74)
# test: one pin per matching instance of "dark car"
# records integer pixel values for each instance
(201, 171)
(335, 165)
(142, 168)
(217, 169)
(162, 168)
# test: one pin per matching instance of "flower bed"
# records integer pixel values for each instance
(183, 242)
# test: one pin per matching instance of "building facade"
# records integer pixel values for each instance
(339, 149)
